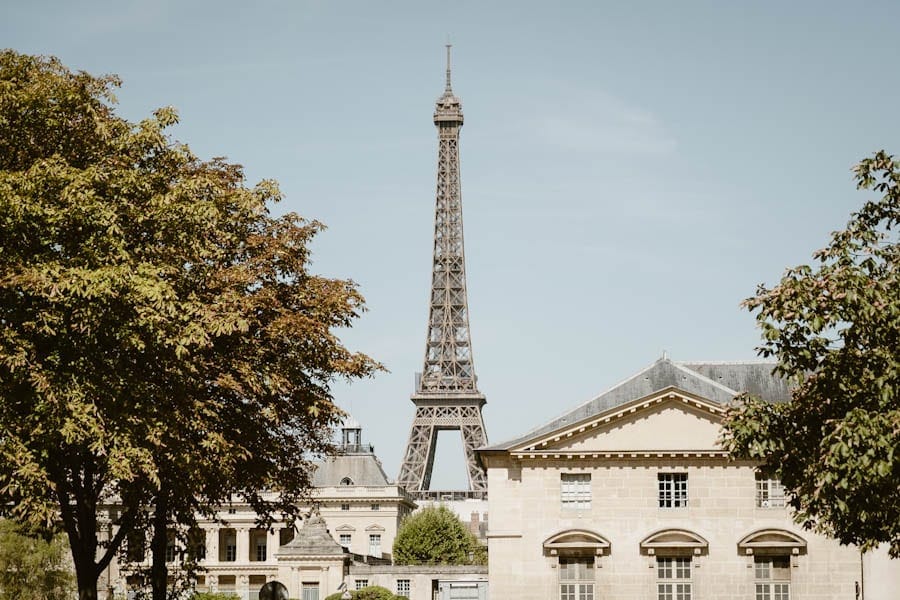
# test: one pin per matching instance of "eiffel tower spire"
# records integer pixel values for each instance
(446, 394)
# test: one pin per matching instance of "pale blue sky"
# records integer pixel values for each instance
(630, 170)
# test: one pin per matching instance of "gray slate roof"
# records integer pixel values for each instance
(361, 468)
(716, 381)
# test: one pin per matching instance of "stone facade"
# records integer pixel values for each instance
(354, 505)
(630, 497)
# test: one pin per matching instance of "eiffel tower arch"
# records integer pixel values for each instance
(446, 396)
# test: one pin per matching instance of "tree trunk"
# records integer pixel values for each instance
(158, 571)
(85, 575)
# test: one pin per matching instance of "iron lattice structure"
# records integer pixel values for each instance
(446, 394)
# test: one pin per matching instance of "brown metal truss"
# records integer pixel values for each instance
(446, 394)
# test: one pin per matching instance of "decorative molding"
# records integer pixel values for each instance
(617, 413)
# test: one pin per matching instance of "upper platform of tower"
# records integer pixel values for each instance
(448, 109)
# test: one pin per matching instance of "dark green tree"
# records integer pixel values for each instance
(162, 342)
(834, 328)
(436, 536)
(33, 567)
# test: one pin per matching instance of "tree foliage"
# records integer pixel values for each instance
(162, 342)
(32, 567)
(370, 592)
(834, 328)
(434, 535)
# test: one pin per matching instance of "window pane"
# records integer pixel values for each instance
(782, 591)
(682, 591)
(664, 568)
(586, 591)
(664, 591)
(575, 490)
(781, 568)
(673, 491)
(576, 569)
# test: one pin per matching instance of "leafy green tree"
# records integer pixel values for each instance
(436, 536)
(834, 329)
(32, 567)
(371, 592)
(163, 343)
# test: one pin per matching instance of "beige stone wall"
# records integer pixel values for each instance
(525, 510)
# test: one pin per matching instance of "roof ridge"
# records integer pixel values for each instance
(757, 361)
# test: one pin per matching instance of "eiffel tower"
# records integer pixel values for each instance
(446, 396)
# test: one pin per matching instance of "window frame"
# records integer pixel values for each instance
(581, 585)
(403, 587)
(674, 577)
(375, 543)
(575, 491)
(769, 586)
(672, 489)
(769, 492)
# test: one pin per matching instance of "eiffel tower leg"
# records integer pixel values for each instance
(473, 437)
(415, 472)
(418, 462)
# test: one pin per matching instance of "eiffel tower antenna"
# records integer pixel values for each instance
(448, 89)
(446, 396)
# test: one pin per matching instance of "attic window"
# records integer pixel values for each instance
(346, 481)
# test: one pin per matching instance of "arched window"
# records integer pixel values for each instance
(774, 552)
(576, 550)
(346, 481)
(674, 550)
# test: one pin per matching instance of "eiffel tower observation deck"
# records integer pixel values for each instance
(446, 396)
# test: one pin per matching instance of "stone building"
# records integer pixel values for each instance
(352, 495)
(629, 496)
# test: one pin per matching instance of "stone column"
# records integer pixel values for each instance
(272, 538)
(243, 587)
(212, 545)
(243, 545)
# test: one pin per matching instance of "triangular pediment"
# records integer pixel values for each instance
(669, 420)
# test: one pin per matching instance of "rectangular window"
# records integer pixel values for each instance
(345, 506)
(230, 552)
(375, 507)
(773, 577)
(403, 587)
(673, 578)
(375, 544)
(769, 492)
(673, 490)
(170, 552)
(576, 579)
(261, 551)
(345, 540)
(463, 591)
(361, 583)
(310, 590)
(575, 491)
